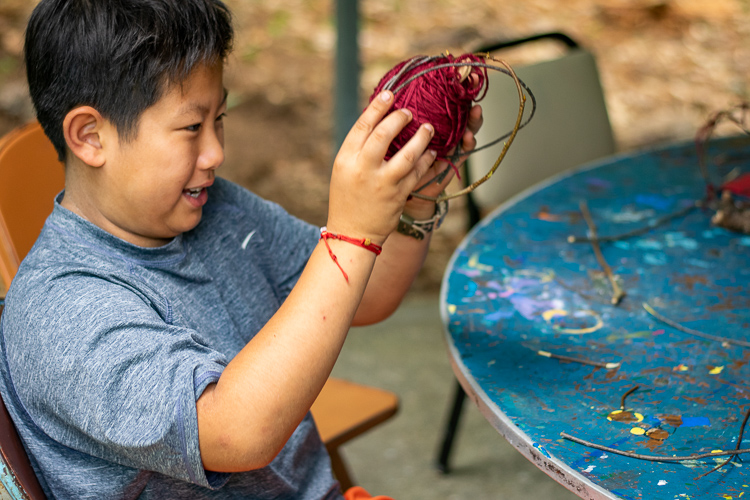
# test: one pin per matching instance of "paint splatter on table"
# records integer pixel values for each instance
(516, 286)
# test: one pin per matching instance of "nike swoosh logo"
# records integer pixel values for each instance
(247, 239)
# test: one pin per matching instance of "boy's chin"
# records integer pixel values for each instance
(190, 224)
(168, 234)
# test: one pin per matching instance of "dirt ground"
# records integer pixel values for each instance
(665, 66)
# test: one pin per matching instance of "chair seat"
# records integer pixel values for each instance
(345, 410)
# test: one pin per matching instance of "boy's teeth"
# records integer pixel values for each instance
(195, 192)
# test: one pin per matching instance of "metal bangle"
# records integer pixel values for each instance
(420, 228)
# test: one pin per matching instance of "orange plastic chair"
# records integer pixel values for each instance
(30, 177)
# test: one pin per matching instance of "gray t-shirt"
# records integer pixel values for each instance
(106, 346)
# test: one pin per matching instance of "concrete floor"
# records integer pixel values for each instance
(406, 354)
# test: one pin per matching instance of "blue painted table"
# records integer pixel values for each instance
(516, 287)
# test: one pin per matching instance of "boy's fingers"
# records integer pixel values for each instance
(468, 142)
(410, 154)
(367, 121)
(469, 139)
(421, 167)
(377, 143)
(475, 119)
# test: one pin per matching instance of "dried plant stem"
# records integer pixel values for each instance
(736, 114)
(641, 230)
(715, 468)
(624, 396)
(600, 364)
(652, 458)
(690, 331)
(742, 429)
(617, 292)
(739, 442)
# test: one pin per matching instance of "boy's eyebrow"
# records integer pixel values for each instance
(200, 107)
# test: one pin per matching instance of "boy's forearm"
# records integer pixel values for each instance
(265, 391)
(394, 272)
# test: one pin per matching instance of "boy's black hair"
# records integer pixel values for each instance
(117, 56)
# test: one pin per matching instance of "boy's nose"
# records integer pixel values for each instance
(212, 152)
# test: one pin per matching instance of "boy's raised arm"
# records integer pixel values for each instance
(403, 256)
(265, 391)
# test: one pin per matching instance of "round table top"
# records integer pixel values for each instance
(516, 291)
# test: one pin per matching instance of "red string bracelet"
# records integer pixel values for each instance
(365, 243)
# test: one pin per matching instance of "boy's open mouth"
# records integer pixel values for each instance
(197, 197)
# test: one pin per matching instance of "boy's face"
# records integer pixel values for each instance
(154, 186)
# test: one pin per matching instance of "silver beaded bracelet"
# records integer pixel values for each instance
(420, 228)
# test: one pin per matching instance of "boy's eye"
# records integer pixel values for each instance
(197, 126)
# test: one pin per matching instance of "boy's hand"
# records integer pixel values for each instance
(368, 194)
(423, 209)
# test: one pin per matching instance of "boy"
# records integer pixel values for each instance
(168, 333)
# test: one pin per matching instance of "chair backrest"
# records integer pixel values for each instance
(570, 126)
(30, 176)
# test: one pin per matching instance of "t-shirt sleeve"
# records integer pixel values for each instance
(294, 239)
(278, 242)
(100, 371)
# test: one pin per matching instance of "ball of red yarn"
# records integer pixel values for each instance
(442, 96)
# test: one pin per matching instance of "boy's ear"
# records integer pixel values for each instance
(83, 128)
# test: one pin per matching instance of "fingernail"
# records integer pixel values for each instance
(432, 152)
(385, 96)
(407, 113)
(429, 128)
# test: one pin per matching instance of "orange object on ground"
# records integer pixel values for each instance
(359, 493)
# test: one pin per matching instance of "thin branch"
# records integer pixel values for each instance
(624, 396)
(600, 364)
(506, 145)
(742, 429)
(463, 64)
(704, 134)
(715, 468)
(641, 230)
(739, 442)
(652, 458)
(690, 331)
(617, 292)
